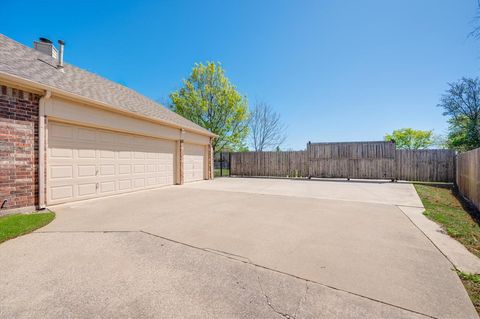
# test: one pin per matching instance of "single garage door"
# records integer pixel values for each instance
(86, 163)
(194, 162)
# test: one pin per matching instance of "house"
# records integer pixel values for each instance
(69, 135)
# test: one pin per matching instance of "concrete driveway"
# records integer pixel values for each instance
(234, 248)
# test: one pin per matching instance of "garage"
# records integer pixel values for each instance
(72, 135)
(194, 162)
(84, 162)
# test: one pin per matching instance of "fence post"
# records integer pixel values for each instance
(309, 161)
(221, 164)
(229, 163)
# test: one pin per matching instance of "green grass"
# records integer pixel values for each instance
(455, 217)
(460, 221)
(225, 172)
(472, 285)
(12, 226)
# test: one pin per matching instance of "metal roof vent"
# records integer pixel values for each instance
(61, 44)
(46, 46)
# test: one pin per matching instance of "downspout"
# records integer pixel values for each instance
(41, 149)
(180, 172)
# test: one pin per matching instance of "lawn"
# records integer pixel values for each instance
(460, 221)
(12, 226)
(456, 218)
(225, 172)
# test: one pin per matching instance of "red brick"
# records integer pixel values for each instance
(19, 149)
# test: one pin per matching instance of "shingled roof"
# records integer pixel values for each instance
(21, 61)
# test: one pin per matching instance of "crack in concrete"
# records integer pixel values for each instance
(267, 299)
(302, 300)
(246, 260)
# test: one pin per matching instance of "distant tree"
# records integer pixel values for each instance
(266, 129)
(461, 102)
(408, 138)
(210, 100)
(476, 30)
(462, 136)
(440, 141)
(242, 147)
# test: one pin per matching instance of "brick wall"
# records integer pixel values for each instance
(18, 148)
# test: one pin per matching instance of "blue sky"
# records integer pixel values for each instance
(335, 70)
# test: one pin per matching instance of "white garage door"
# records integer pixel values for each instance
(194, 162)
(86, 163)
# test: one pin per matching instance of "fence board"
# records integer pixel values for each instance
(374, 160)
(360, 160)
(290, 163)
(468, 175)
(425, 165)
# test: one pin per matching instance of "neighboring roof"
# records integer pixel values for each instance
(21, 61)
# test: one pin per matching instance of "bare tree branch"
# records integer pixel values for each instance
(266, 129)
(476, 31)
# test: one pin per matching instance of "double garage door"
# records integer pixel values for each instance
(86, 163)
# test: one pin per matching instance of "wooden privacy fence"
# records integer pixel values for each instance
(425, 165)
(468, 175)
(361, 160)
(374, 160)
(291, 163)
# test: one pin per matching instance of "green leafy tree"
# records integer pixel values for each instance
(210, 100)
(408, 138)
(461, 136)
(461, 102)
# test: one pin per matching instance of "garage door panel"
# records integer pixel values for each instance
(87, 189)
(86, 153)
(139, 155)
(64, 192)
(124, 169)
(125, 184)
(153, 156)
(107, 187)
(61, 171)
(124, 155)
(151, 181)
(86, 170)
(86, 163)
(163, 180)
(194, 162)
(138, 168)
(107, 170)
(139, 182)
(58, 152)
(107, 154)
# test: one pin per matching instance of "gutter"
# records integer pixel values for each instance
(41, 149)
(66, 94)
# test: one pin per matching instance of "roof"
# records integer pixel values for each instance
(21, 61)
